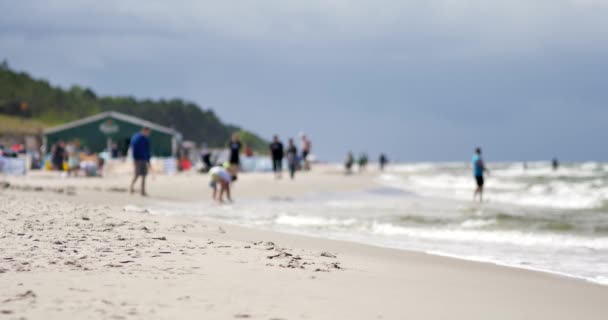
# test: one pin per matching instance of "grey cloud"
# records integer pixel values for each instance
(419, 78)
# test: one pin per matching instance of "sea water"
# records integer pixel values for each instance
(532, 217)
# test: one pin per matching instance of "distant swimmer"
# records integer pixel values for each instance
(221, 177)
(555, 164)
(479, 169)
(382, 161)
(277, 153)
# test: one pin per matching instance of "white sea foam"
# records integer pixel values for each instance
(583, 186)
(308, 221)
(477, 223)
(526, 239)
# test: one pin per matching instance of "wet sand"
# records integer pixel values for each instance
(83, 248)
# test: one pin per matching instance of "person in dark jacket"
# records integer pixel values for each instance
(277, 153)
(58, 155)
(235, 146)
(292, 158)
(140, 147)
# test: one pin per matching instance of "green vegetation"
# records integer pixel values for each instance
(22, 96)
(13, 124)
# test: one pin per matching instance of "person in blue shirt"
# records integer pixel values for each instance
(140, 148)
(479, 169)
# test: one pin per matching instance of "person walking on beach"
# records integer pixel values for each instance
(140, 148)
(348, 163)
(276, 152)
(292, 158)
(479, 169)
(362, 162)
(222, 177)
(235, 146)
(306, 148)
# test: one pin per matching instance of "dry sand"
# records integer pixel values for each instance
(71, 250)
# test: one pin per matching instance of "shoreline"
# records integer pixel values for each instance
(224, 271)
(129, 200)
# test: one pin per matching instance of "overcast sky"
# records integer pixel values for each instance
(422, 80)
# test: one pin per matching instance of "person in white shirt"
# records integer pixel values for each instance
(222, 177)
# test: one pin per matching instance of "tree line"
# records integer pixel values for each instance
(23, 96)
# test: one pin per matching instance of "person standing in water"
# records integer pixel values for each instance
(235, 151)
(382, 161)
(479, 169)
(276, 152)
(140, 148)
(555, 164)
(292, 158)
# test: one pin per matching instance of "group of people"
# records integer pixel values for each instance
(69, 157)
(362, 162)
(222, 176)
(294, 162)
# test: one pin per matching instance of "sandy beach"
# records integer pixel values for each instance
(84, 248)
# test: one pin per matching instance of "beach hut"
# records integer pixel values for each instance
(97, 133)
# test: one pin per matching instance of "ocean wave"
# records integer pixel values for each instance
(312, 221)
(565, 192)
(498, 237)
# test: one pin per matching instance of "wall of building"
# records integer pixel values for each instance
(94, 136)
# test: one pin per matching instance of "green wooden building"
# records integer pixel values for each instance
(97, 133)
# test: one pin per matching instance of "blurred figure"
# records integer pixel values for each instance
(140, 148)
(73, 154)
(306, 149)
(223, 177)
(362, 162)
(348, 163)
(555, 164)
(114, 151)
(383, 160)
(184, 162)
(276, 152)
(58, 155)
(235, 146)
(479, 169)
(292, 158)
(205, 157)
(248, 152)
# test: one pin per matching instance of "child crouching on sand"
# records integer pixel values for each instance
(223, 177)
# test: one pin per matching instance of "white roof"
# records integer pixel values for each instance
(115, 115)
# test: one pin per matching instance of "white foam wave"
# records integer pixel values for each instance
(498, 237)
(551, 192)
(477, 223)
(601, 280)
(312, 221)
